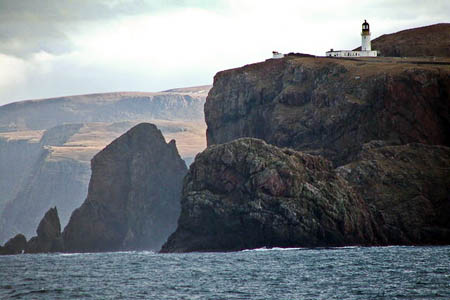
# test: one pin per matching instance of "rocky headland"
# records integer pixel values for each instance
(134, 193)
(359, 154)
(248, 194)
(302, 152)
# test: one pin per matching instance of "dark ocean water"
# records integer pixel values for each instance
(337, 273)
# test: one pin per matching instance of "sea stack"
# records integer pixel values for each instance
(134, 193)
(48, 237)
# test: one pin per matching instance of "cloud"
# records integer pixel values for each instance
(30, 26)
(87, 46)
(12, 71)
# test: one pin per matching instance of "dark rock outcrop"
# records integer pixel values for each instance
(407, 188)
(133, 199)
(330, 106)
(49, 238)
(248, 194)
(16, 245)
(433, 40)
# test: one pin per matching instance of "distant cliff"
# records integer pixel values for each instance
(44, 156)
(433, 40)
(177, 104)
(17, 157)
(134, 193)
(331, 106)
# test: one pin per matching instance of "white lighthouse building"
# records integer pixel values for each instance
(365, 37)
(366, 48)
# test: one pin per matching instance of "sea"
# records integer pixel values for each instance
(325, 273)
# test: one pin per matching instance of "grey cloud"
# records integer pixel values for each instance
(29, 26)
(411, 9)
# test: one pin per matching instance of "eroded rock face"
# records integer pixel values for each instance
(133, 200)
(330, 106)
(407, 188)
(49, 238)
(15, 245)
(248, 194)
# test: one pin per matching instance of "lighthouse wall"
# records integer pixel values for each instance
(349, 53)
(365, 43)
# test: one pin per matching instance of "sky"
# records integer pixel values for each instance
(52, 48)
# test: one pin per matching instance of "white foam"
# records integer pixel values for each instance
(271, 249)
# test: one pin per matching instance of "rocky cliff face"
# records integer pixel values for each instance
(133, 197)
(330, 106)
(49, 238)
(433, 40)
(407, 188)
(248, 194)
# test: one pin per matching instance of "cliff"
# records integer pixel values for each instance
(331, 107)
(133, 196)
(407, 188)
(248, 194)
(433, 40)
(17, 157)
(373, 169)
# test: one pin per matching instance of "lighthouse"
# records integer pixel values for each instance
(365, 37)
(366, 48)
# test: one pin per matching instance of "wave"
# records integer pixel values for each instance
(272, 249)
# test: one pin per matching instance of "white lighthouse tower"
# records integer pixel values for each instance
(365, 37)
